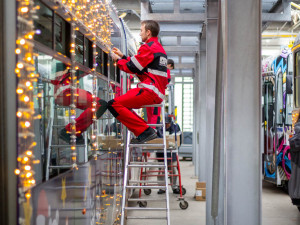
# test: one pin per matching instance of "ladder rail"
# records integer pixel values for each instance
(166, 165)
(127, 182)
(127, 153)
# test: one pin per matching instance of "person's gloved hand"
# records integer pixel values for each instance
(114, 56)
(117, 52)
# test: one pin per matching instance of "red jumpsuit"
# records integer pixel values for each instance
(84, 100)
(153, 113)
(150, 65)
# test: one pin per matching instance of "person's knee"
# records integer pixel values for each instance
(111, 108)
(103, 107)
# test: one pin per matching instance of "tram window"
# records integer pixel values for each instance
(297, 80)
(112, 69)
(62, 38)
(88, 53)
(99, 60)
(118, 75)
(79, 43)
(43, 25)
(105, 64)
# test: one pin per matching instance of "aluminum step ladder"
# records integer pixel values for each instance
(54, 143)
(129, 185)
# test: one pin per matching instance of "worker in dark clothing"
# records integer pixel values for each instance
(153, 113)
(171, 128)
(150, 66)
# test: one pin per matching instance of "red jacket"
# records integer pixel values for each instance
(150, 65)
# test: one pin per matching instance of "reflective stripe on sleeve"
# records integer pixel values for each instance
(60, 90)
(157, 72)
(136, 63)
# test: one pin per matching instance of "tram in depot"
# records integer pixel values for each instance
(277, 106)
(294, 184)
(72, 43)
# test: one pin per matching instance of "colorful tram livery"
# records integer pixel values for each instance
(277, 118)
(294, 184)
(91, 192)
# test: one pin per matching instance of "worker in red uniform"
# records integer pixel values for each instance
(153, 113)
(84, 101)
(150, 66)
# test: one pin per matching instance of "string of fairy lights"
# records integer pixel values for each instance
(94, 16)
(26, 76)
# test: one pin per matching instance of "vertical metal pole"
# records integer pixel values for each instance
(201, 144)
(196, 110)
(165, 163)
(218, 121)
(211, 59)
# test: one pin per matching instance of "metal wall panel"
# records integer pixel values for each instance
(242, 111)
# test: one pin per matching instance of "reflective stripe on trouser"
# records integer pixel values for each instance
(153, 115)
(84, 101)
(121, 107)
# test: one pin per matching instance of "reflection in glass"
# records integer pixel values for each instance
(62, 31)
(79, 41)
(105, 64)
(88, 53)
(99, 60)
(112, 68)
(43, 25)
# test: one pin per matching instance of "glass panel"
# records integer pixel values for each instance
(62, 35)
(112, 67)
(105, 64)
(79, 43)
(99, 60)
(43, 25)
(178, 79)
(53, 106)
(297, 80)
(88, 53)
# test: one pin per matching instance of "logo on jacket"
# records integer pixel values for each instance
(162, 61)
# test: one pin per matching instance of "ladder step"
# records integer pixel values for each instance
(147, 187)
(147, 181)
(146, 217)
(149, 163)
(155, 105)
(145, 209)
(147, 145)
(155, 125)
(61, 167)
(65, 146)
(56, 126)
(145, 199)
(150, 166)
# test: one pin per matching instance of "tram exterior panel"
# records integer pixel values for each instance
(90, 194)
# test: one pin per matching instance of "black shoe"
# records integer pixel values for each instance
(147, 135)
(176, 191)
(160, 191)
(79, 140)
(64, 135)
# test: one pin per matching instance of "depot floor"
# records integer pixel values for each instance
(276, 205)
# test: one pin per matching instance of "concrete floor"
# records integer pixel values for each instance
(276, 205)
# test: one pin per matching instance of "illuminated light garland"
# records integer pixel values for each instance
(25, 113)
(94, 15)
(94, 141)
